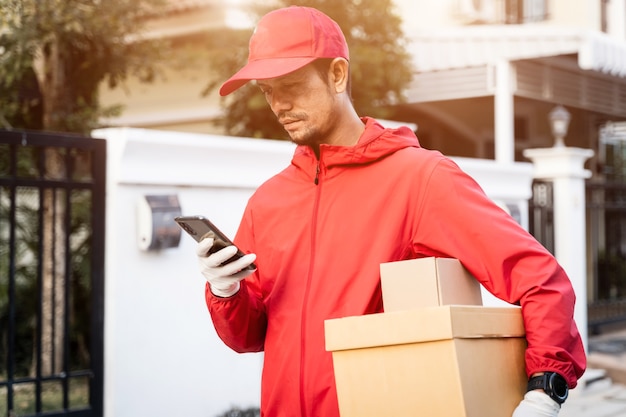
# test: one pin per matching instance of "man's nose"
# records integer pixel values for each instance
(280, 103)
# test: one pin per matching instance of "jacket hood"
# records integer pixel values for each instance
(375, 143)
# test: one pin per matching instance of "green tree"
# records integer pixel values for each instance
(54, 55)
(380, 65)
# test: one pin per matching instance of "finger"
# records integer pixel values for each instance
(204, 246)
(236, 269)
(218, 258)
(243, 273)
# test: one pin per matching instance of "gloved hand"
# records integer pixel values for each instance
(537, 403)
(223, 279)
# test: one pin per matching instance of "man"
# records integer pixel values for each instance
(357, 195)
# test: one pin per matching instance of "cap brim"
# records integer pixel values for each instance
(262, 70)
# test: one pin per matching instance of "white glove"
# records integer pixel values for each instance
(537, 403)
(223, 279)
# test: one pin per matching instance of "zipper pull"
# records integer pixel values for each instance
(317, 174)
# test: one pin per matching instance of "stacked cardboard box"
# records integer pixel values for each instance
(435, 351)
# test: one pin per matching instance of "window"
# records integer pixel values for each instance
(604, 15)
(525, 11)
(612, 153)
(503, 11)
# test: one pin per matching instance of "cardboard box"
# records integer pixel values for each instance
(448, 361)
(427, 282)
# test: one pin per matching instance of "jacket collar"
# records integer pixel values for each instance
(376, 142)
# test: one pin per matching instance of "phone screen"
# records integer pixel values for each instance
(199, 227)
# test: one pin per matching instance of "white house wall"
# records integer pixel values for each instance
(423, 14)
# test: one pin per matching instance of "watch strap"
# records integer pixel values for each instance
(537, 382)
(552, 384)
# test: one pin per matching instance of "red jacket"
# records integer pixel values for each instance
(321, 229)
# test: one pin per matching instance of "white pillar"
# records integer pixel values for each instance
(565, 168)
(504, 113)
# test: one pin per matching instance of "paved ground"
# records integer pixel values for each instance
(602, 391)
(600, 399)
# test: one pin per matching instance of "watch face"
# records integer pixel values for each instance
(558, 387)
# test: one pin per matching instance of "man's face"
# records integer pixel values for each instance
(303, 103)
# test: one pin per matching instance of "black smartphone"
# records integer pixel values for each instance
(199, 227)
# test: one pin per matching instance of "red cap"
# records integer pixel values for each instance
(286, 40)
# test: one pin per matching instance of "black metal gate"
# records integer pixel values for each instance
(541, 214)
(52, 190)
(606, 226)
(606, 240)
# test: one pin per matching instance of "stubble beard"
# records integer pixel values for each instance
(305, 135)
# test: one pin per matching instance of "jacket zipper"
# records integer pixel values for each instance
(303, 328)
(317, 173)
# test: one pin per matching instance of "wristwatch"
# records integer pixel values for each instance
(552, 383)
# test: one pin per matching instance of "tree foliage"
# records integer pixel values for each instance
(54, 55)
(380, 66)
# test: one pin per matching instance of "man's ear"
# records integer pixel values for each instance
(339, 73)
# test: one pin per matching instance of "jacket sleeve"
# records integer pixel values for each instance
(458, 220)
(240, 320)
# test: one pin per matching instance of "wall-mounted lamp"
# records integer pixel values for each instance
(156, 228)
(559, 122)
